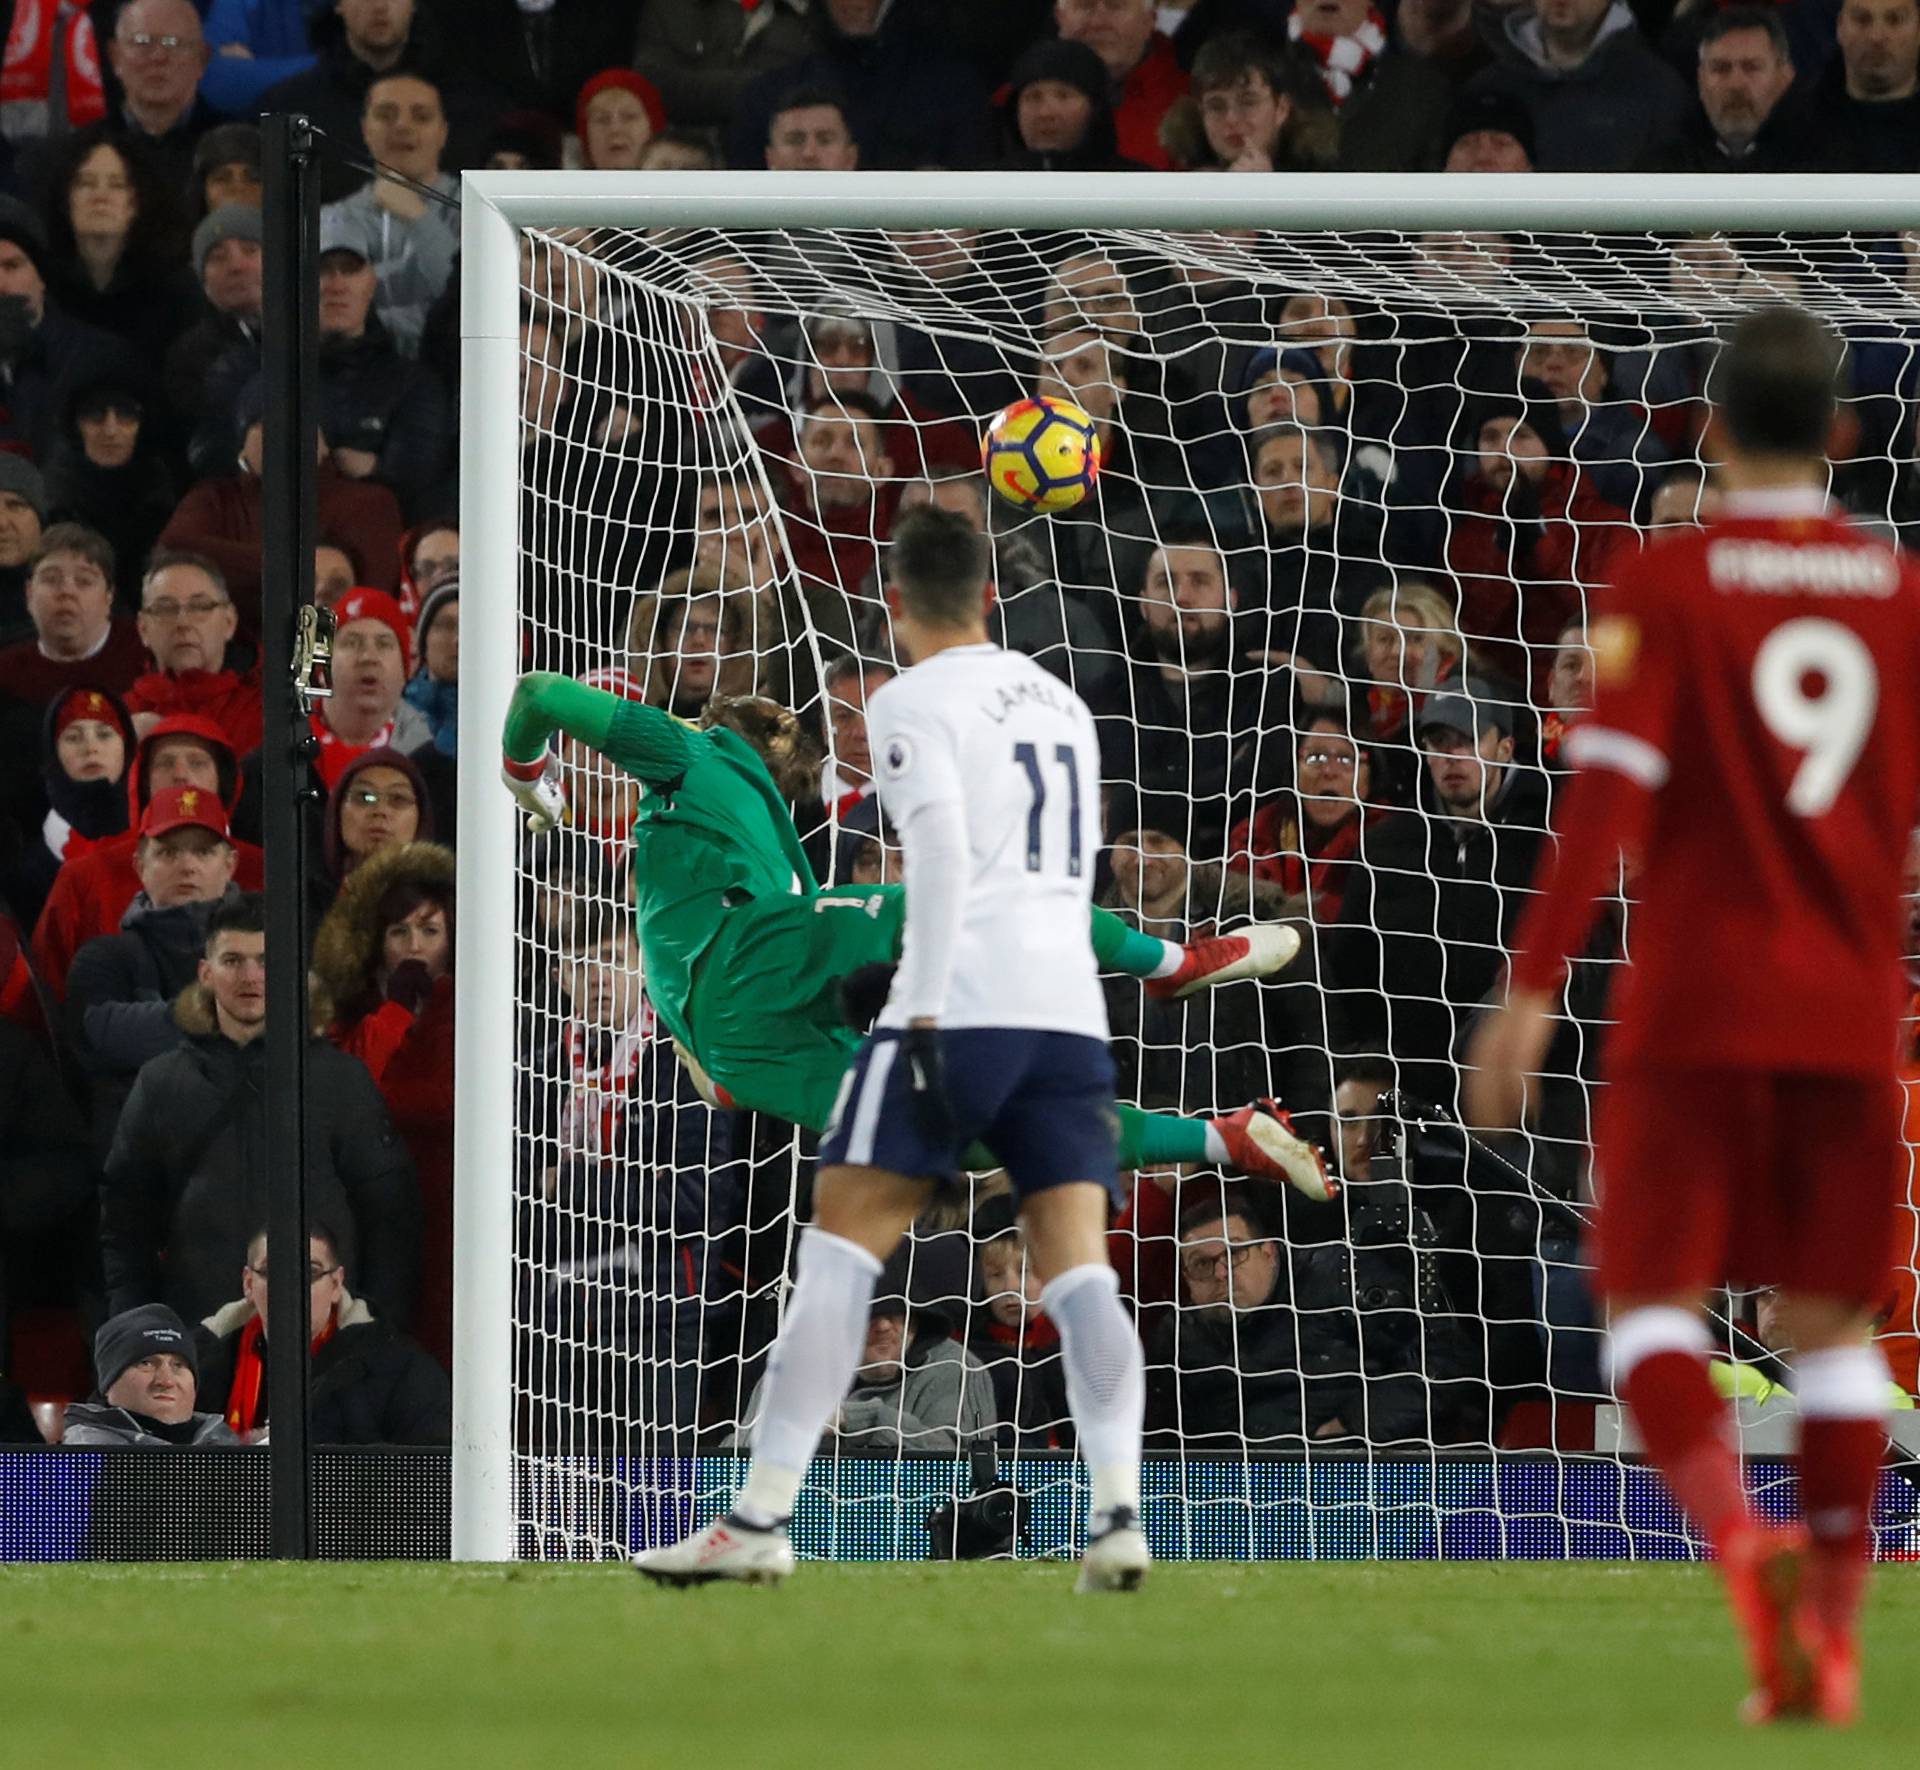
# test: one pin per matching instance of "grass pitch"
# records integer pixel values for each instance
(995, 1667)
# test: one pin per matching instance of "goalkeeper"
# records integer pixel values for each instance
(745, 954)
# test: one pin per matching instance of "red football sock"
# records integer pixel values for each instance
(1839, 1474)
(1684, 1425)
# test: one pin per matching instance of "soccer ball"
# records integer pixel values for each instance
(1042, 454)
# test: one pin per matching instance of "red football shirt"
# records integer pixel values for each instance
(1756, 741)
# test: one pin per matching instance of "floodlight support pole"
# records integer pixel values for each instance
(291, 355)
(483, 1147)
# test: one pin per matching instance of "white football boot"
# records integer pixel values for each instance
(726, 1549)
(1117, 1559)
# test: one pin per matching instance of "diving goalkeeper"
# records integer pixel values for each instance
(745, 953)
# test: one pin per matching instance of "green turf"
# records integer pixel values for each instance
(993, 1667)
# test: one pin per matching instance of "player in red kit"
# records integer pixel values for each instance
(1755, 743)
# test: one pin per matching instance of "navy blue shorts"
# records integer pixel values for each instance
(1042, 1102)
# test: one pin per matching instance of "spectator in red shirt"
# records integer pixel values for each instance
(222, 519)
(1529, 534)
(78, 641)
(188, 622)
(1140, 62)
(92, 891)
(841, 492)
(842, 353)
(383, 958)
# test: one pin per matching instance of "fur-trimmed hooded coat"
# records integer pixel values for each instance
(408, 1054)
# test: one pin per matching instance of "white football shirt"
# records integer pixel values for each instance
(990, 772)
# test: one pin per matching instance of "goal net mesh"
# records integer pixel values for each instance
(1327, 602)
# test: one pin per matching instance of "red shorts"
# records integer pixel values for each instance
(1710, 1177)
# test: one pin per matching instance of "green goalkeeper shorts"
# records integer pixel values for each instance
(764, 1008)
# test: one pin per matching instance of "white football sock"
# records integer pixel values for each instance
(1106, 1381)
(1171, 959)
(809, 1371)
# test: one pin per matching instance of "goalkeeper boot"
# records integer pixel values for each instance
(1116, 1559)
(1257, 950)
(726, 1549)
(1765, 1573)
(1261, 1141)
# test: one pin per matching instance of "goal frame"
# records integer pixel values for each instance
(496, 206)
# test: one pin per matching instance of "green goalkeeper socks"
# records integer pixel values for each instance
(1152, 1139)
(1120, 948)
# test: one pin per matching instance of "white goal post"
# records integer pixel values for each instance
(1378, 215)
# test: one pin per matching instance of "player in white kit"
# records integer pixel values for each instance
(995, 1030)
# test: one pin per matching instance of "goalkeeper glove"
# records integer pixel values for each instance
(927, 1077)
(863, 993)
(536, 788)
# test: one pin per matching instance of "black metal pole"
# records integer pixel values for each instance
(291, 340)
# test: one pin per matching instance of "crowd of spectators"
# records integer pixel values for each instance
(1326, 600)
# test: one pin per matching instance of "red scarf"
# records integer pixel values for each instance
(1343, 60)
(1279, 856)
(27, 76)
(601, 1070)
(336, 755)
(250, 1372)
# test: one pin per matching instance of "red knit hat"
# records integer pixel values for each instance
(364, 604)
(638, 84)
(87, 703)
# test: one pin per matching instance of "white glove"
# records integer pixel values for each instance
(539, 795)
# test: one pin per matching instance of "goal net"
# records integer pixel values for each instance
(1327, 601)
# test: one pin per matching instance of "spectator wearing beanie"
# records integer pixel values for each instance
(1488, 132)
(273, 36)
(92, 890)
(189, 624)
(434, 687)
(617, 113)
(1528, 535)
(1057, 113)
(149, 1372)
(219, 353)
(109, 469)
(42, 346)
(226, 171)
(87, 745)
(379, 802)
(23, 515)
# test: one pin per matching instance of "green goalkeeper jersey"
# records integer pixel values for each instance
(712, 832)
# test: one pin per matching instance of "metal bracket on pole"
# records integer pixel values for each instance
(291, 628)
